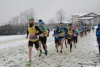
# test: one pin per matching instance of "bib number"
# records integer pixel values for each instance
(32, 35)
(61, 34)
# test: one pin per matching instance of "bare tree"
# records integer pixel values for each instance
(51, 21)
(18, 24)
(30, 14)
(24, 16)
(14, 21)
(60, 15)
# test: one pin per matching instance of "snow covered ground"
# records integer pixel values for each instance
(10, 38)
(14, 53)
(13, 40)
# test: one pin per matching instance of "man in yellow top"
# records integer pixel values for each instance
(33, 39)
(43, 36)
(70, 35)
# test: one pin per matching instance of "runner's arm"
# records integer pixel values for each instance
(27, 31)
(53, 33)
(96, 29)
(73, 32)
(46, 31)
(39, 31)
(66, 31)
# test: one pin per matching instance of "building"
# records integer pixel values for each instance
(86, 18)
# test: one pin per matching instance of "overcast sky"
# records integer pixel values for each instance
(46, 9)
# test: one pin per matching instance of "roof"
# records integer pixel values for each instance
(81, 14)
(86, 18)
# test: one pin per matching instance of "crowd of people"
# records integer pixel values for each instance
(62, 34)
(69, 35)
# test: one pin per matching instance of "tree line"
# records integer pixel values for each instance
(18, 24)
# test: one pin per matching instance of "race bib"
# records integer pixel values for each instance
(31, 35)
(70, 34)
(61, 34)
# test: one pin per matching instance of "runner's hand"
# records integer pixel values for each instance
(45, 32)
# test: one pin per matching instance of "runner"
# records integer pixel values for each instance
(61, 35)
(98, 36)
(89, 29)
(81, 31)
(48, 32)
(77, 30)
(70, 35)
(66, 35)
(85, 30)
(33, 39)
(43, 36)
(93, 29)
(56, 38)
(75, 38)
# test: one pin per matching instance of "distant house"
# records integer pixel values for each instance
(85, 18)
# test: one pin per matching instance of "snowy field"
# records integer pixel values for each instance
(14, 53)
(10, 38)
(13, 40)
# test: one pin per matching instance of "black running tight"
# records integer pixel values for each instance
(70, 46)
(75, 39)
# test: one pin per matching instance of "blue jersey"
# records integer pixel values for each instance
(75, 33)
(61, 30)
(43, 28)
(93, 28)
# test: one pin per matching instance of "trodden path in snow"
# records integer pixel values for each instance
(85, 55)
